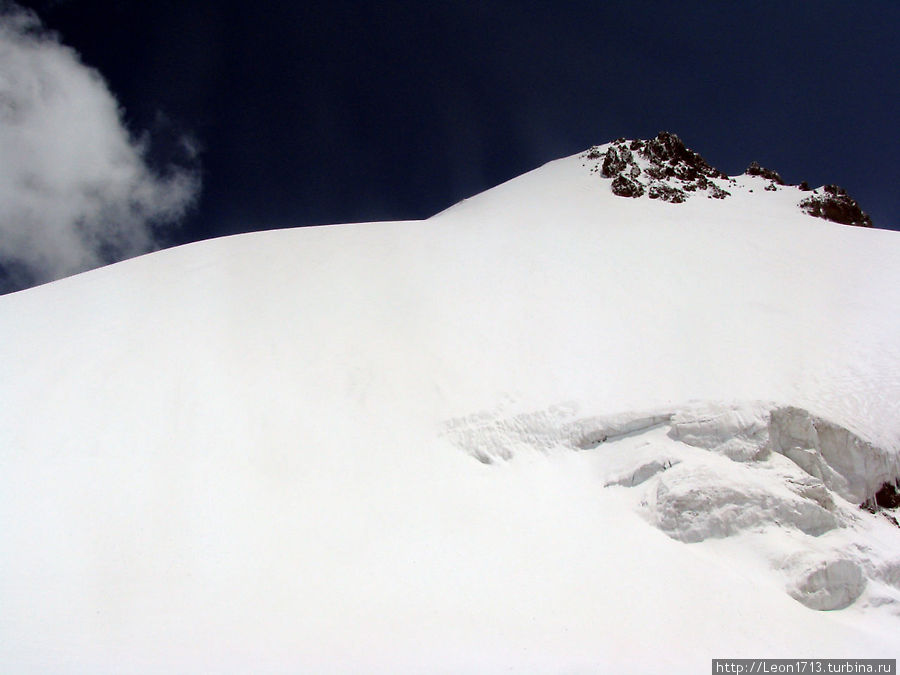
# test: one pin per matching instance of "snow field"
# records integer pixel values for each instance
(459, 445)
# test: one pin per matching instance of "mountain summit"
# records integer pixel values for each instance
(548, 429)
(665, 169)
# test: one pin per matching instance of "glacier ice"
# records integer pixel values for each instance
(712, 471)
(828, 584)
(694, 503)
(846, 463)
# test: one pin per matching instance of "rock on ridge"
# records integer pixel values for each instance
(664, 168)
(837, 206)
(756, 170)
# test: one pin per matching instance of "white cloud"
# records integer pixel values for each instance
(75, 189)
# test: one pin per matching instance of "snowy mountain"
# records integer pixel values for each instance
(550, 429)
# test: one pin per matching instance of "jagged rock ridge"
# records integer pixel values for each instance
(837, 206)
(756, 170)
(664, 168)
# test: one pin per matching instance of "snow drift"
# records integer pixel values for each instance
(548, 429)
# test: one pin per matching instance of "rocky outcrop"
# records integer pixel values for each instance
(664, 168)
(670, 152)
(616, 161)
(836, 205)
(627, 187)
(888, 496)
(756, 170)
(667, 193)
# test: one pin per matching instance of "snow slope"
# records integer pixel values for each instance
(546, 430)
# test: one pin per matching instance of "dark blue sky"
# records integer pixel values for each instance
(310, 113)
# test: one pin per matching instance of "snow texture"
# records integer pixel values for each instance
(849, 465)
(546, 430)
(830, 584)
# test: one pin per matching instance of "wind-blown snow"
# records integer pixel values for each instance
(262, 452)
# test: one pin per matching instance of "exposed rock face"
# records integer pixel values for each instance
(662, 167)
(667, 193)
(756, 170)
(888, 497)
(614, 163)
(626, 187)
(836, 205)
(684, 163)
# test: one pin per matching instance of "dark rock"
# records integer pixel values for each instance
(655, 172)
(666, 169)
(888, 497)
(615, 162)
(667, 193)
(625, 187)
(756, 170)
(701, 183)
(668, 148)
(669, 161)
(664, 147)
(686, 173)
(837, 206)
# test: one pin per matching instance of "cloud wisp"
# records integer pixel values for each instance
(76, 190)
